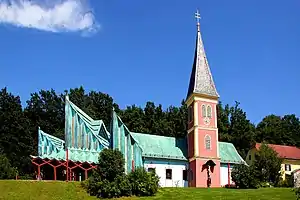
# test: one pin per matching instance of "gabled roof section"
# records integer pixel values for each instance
(287, 152)
(96, 127)
(53, 143)
(201, 80)
(51, 147)
(229, 154)
(118, 123)
(156, 146)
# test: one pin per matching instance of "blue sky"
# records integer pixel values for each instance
(142, 51)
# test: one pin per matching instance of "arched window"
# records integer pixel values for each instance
(209, 111)
(203, 110)
(207, 142)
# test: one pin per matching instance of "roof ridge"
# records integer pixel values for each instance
(282, 145)
(155, 135)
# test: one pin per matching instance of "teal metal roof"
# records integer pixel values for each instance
(156, 146)
(229, 154)
(51, 147)
(161, 147)
(77, 119)
(75, 155)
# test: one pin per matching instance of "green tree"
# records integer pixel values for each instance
(45, 109)
(267, 165)
(279, 130)
(241, 130)
(15, 137)
(291, 130)
(97, 105)
(269, 130)
(133, 117)
(223, 122)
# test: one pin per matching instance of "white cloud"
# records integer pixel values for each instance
(60, 16)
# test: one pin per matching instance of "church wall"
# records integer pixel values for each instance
(202, 113)
(201, 180)
(224, 173)
(164, 166)
(193, 174)
(212, 152)
(190, 116)
(191, 144)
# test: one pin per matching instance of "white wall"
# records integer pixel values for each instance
(161, 165)
(224, 173)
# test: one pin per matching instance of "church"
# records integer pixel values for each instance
(198, 160)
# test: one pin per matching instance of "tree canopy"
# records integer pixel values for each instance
(45, 109)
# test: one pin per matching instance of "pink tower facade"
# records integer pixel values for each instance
(202, 99)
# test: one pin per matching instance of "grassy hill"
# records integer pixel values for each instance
(61, 190)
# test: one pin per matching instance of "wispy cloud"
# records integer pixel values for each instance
(54, 16)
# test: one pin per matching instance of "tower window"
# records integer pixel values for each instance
(203, 110)
(207, 142)
(209, 111)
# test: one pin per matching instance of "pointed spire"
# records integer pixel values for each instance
(201, 80)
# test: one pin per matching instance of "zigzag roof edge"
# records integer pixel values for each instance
(51, 138)
(86, 118)
(135, 140)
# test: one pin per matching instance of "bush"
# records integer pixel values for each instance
(143, 183)
(124, 184)
(297, 192)
(6, 171)
(111, 164)
(110, 181)
(93, 184)
(230, 186)
(265, 185)
(244, 177)
(288, 182)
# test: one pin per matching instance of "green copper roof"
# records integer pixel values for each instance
(51, 147)
(161, 147)
(229, 154)
(75, 155)
(156, 146)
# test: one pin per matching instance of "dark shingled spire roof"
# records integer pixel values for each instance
(201, 80)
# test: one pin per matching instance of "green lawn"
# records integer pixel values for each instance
(61, 190)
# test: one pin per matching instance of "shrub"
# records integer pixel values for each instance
(6, 171)
(124, 185)
(243, 177)
(109, 189)
(143, 183)
(111, 164)
(297, 192)
(230, 186)
(110, 181)
(265, 185)
(93, 184)
(288, 182)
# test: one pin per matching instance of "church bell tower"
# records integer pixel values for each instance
(202, 133)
